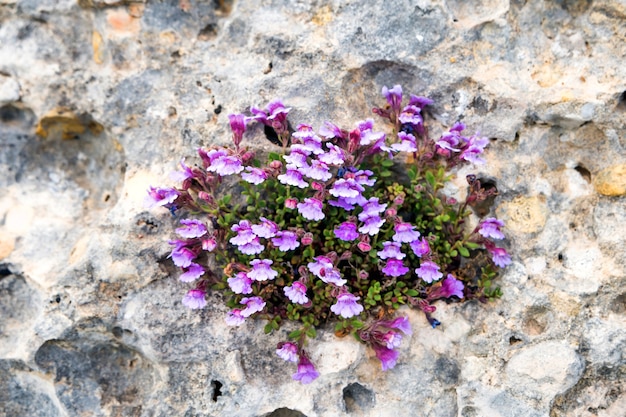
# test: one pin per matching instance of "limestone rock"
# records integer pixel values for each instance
(611, 181)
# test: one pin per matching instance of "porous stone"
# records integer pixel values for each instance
(611, 181)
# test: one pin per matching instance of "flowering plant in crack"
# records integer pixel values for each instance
(340, 226)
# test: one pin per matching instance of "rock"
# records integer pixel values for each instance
(524, 214)
(611, 181)
(9, 89)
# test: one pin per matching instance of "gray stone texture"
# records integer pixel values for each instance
(100, 99)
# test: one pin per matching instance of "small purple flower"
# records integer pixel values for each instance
(306, 371)
(395, 268)
(343, 203)
(405, 233)
(286, 240)
(253, 305)
(391, 250)
(311, 209)
(388, 357)
(500, 257)
(402, 324)
(371, 225)
(394, 97)
(193, 272)
(191, 229)
(252, 248)
(296, 293)
(346, 188)
(330, 130)
(363, 177)
(266, 229)
(244, 233)
(332, 276)
(371, 208)
(181, 255)
(334, 156)
(321, 263)
(346, 231)
(274, 116)
(226, 165)
(367, 135)
(183, 175)
(240, 283)
(420, 247)
(254, 175)
(429, 271)
(160, 197)
(392, 339)
(411, 115)
(235, 317)
(261, 270)
(449, 141)
(195, 299)
(318, 171)
(288, 351)
(407, 143)
(296, 158)
(309, 141)
(490, 227)
(238, 126)
(293, 176)
(209, 244)
(347, 305)
(451, 286)
(476, 147)
(291, 203)
(419, 101)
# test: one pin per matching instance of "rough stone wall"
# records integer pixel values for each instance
(100, 98)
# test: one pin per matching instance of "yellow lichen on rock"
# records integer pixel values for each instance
(64, 123)
(524, 214)
(611, 181)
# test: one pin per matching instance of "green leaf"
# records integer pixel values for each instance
(412, 293)
(472, 245)
(311, 333)
(268, 328)
(227, 199)
(430, 178)
(385, 173)
(464, 252)
(273, 156)
(387, 163)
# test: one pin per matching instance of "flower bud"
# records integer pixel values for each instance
(203, 195)
(247, 157)
(209, 244)
(391, 212)
(317, 186)
(399, 200)
(363, 274)
(276, 165)
(307, 239)
(345, 256)
(364, 246)
(291, 203)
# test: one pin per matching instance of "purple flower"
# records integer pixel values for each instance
(253, 305)
(346, 188)
(388, 357)
(343, 203)
(332, 276)
(192, 273)
(402, 324)
(266, 229)
(407, 143)
(293, 177)
(311, 209)
(330, 130)
(240, 283)
(411, 115)
(490, 227)
(451, 286)
(420, 247)
(274, 116)
(475, 148)
(392, 339)
(367, 135)
(288, 351)
(160, 197)
(226, 165)
(286, 240)
(253, 247)
(194, 299)
(309, 141)
(296, 293)
(238, 126)
(209, 244)
(191, 229)
(395, 268)
(363, 177)
(405, 233)
(183, 175)
(500, 257)
(346, 231)
(181, 255)
(391, 250)
(306, 370)
(419, 101)
(449, 141)
(254, 175)
(371, 208)
(347, 306)
(318, 171)
(371, 225)
(296, 158)
(261, 270)
(394, 97)
(244, 233)
(334, 156)
(291, 203)
(321, 263)
(428, 271)
(235, 317)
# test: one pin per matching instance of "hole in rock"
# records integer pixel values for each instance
(560, 257)
(357, 398)
(284, 412)
(5, 271)
(621, 102)
(208, 32)
(272, 136)
(584, 172)
(482, 208)
(216, 388)
(513, 340)
(218, 109)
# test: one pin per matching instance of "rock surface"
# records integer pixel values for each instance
(91, 321)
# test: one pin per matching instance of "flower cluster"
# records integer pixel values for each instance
(342, 226)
